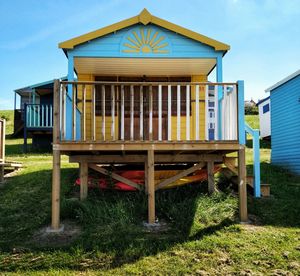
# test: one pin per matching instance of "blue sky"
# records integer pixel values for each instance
(264, 36)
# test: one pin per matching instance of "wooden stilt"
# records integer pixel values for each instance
(83, 180)
(146, 176)
(55, 224)
(211, 177)
(151, 188)
(242, 186)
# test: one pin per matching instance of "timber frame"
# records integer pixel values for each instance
(93, 154)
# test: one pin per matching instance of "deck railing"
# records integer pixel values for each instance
(134, 111)
(38, 115)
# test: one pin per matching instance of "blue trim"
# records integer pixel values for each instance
(256, 158)
(241, 113)
(263, 100)
(220, 94)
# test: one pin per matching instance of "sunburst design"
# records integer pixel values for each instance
(146, 41)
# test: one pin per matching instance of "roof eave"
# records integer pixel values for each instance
(145, 18)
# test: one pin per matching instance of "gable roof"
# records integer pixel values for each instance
(145, 18)
(283, 81)
(262, 101)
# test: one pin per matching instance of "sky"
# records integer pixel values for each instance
(264, 36)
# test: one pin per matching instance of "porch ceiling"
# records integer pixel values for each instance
(143, 66)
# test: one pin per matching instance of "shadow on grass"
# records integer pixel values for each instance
(111, 221)
(282, 208)
(112, 231)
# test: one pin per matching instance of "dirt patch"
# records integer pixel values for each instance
(43, 238)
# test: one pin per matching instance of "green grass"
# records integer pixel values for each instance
(202, 234)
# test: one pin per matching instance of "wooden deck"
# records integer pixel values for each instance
(92, 152)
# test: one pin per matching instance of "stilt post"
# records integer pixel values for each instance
(242, 186)
(55, 222)
(83, 180)
(211, 177)
(151, 188)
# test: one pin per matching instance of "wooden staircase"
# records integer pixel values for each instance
(231, 173)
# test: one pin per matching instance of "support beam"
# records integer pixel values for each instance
(146, 175)
(83, 180)
(140, 158)
(151, 187)
(242, 186)
(230, 164)
(211, 177)
(184, 173)
(55, 222)
(115, 176)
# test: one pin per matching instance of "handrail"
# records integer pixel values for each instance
(146, 83)
(256, 158)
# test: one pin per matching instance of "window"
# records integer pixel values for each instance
(266, 108)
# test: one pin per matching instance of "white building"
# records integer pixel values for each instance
(264, 109)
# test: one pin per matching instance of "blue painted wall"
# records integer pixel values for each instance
(285, 125)
(144, 41)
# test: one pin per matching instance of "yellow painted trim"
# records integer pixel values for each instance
(145, 18)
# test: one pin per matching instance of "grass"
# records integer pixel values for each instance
(202, 234)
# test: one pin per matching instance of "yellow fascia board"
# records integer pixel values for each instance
(145, 18)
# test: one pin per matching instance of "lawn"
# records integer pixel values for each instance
(202, 235)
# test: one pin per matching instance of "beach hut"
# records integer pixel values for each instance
(264, 111)
(285, 126)
(33, 115)
(142, 96)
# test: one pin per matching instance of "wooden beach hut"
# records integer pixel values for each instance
(142, 96)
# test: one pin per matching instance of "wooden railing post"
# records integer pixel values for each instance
(151, 187)
(55, 223)
(242, 186)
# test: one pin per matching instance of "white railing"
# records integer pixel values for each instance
(113, 111)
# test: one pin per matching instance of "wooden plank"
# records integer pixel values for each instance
(55, 218)
(93, 115)
(151, 187)
(63, 112)
(113, 107)
(216, 101)
(206, 112)
(131, 113)
(141, 113)
(103, 112)
(178, 113)
(211, 177)
(184, 173)
(74, 113)
(140, 158)
(169, 112)
(83, 180)
(141, 146)
(159, 112)
(122, 112)
(197, 113)
(188, 118)
(150, 113)
(230, 164)
(84, 113)
(242, 186)
(146, 174)
(115, 176)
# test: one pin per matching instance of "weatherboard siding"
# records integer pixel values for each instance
(285, 123)
(172, 45)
